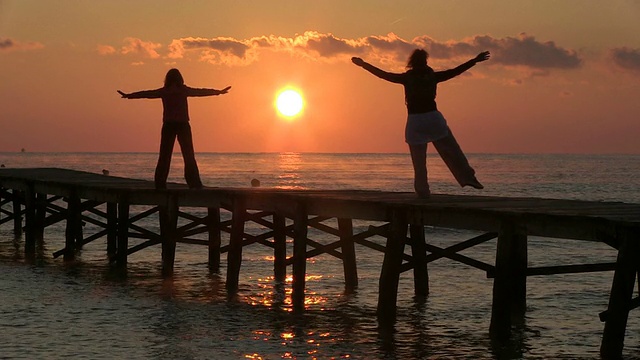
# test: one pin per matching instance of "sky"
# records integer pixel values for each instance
(564, 76)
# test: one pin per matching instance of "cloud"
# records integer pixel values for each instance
(519, 51)
(137, 46)
(626, 58)
(523, 50)
(106, 50)
(7, 44)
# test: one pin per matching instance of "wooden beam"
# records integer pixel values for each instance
(17, 211)
(123, 232)
(214, 238)
(279, 248)
(570, 269)
(30, 222)
(345, 230)
(509, 285)
(234, 256)
(73, 227)
(168, 232)
(112, 229)
(620, 299)
(419, 260)
(300, 225)
(390, 274)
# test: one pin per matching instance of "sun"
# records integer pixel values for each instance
(289, 103)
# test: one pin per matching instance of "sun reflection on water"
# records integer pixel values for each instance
(289, 164)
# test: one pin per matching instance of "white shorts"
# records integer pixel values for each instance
(425, 128)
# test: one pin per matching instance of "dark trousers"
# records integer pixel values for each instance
(182, 131)
(451, 154)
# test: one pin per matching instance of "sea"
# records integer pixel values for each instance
(85, 309)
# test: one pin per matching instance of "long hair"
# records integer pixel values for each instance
(173, 78)
(418, 59)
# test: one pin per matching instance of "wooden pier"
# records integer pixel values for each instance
(32, 199)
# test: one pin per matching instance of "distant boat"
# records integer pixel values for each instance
(22, 150)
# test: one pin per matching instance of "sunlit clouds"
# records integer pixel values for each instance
(521, 50)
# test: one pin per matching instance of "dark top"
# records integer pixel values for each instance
(420, 84)
(174, 100)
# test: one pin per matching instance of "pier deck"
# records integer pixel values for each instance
(45, 196)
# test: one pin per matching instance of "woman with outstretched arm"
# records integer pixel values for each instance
(175, 124)
(425, 123)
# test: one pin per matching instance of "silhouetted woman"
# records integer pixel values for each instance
(425, 123)
(175, 124)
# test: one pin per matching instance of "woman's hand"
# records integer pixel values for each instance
(225, 90)
(124, 95)
(357, 61)
(483, 56)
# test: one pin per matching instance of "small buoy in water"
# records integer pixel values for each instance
(105, 172)
(1, 166)
(255, 183)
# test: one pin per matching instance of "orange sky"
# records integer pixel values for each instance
(564, 75)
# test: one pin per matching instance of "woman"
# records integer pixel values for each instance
(175, 124)
(425, 123)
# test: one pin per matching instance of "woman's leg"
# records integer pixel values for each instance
(191, 172)
(456, 161)
(419, 160)
(167, 138)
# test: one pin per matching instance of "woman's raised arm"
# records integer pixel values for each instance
(206, 92)
(145, 94)
(448, 74)
(394, 78)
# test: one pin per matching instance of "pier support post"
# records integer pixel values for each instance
(279, 248)
(123, 233)
(300, 224)
(17, 212)
(624, 279)
(30, 222)
(213, 227)
(345, 229)
(73, 228)
(168, 233)
(112, 230)
(2, 192)
(41, 214)
(234, 256)
(419, 255)
(510, 282)
(390, 275)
